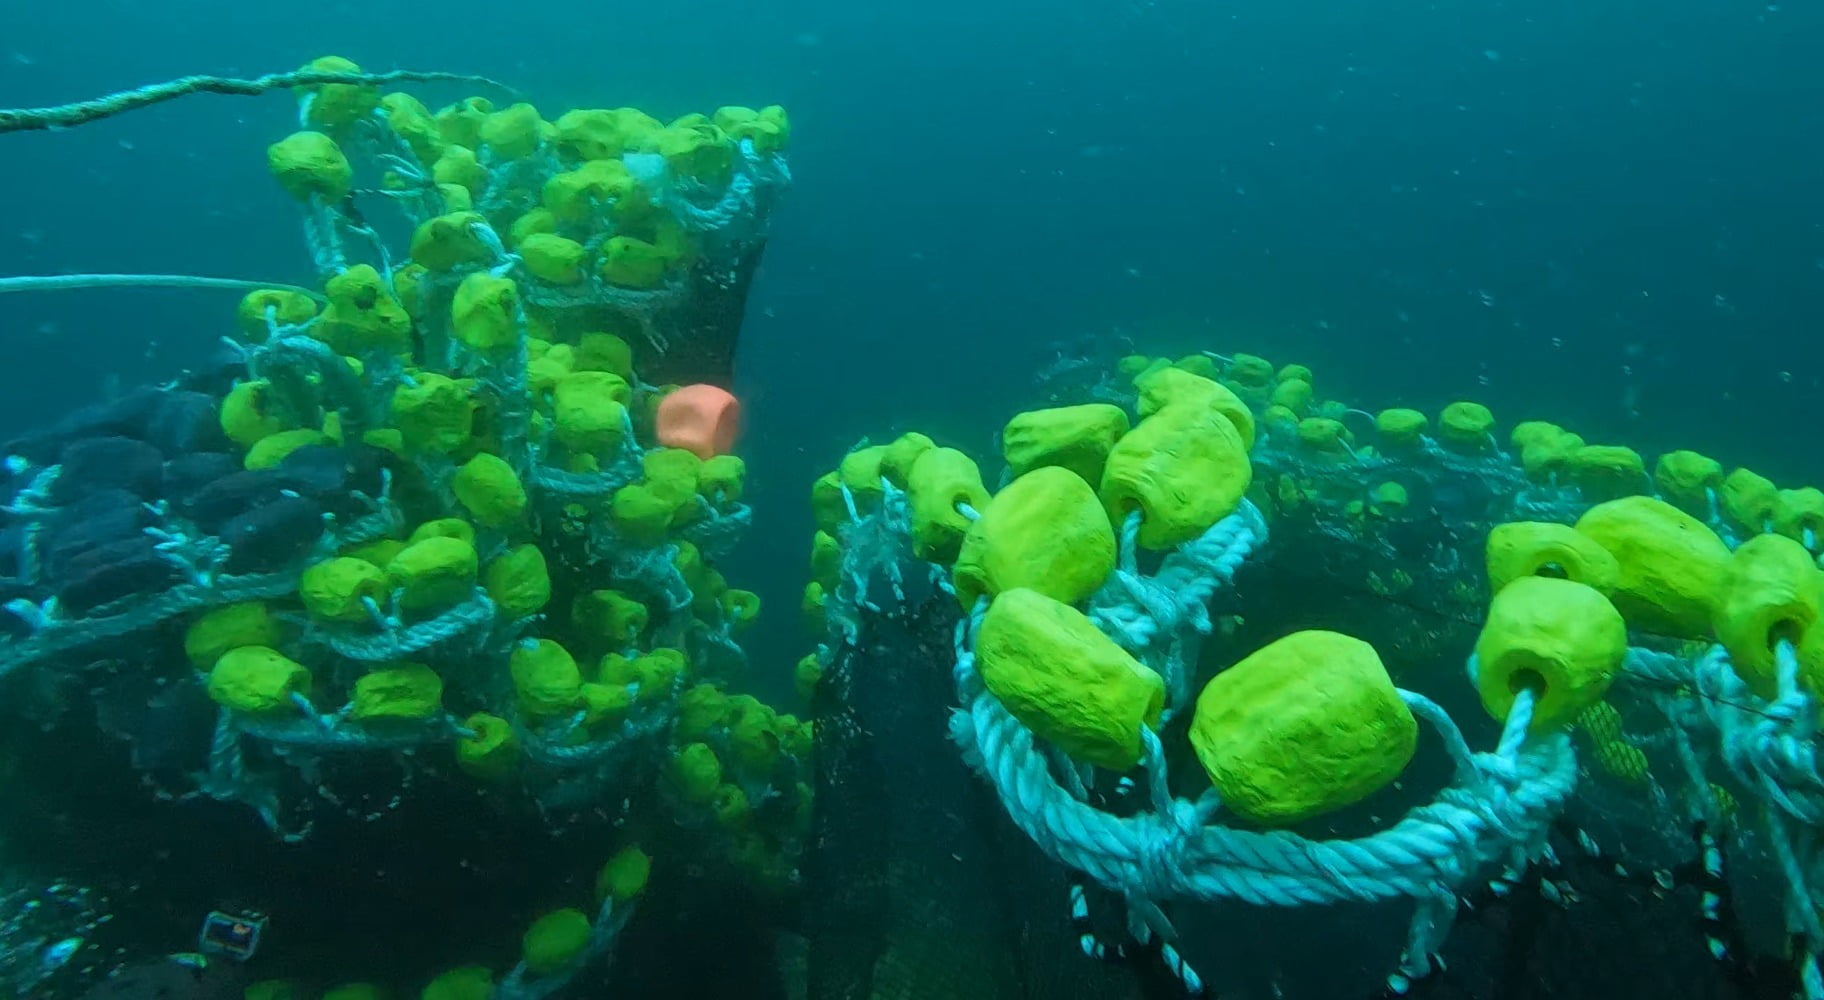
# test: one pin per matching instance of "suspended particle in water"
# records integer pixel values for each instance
(1786, 377)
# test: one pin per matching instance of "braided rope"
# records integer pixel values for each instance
(649, 568)
(467, 619)
(339, 732)
(549, 748)
(716, 531)
(384, 522)
(323, 237)
(1662, 668)
(85, 282)
(584, 485)
(1174, 854)
(641, 304)
(83, 112)
(735, 202)
(1160, 619)
(57, 636)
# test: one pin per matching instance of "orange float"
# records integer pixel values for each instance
(702, 419)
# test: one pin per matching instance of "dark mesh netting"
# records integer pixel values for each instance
(1599, 931)
(918, 887)
(705, 327)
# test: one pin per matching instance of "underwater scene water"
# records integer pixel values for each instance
(1302, 501)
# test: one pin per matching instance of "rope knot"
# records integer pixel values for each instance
(1501, 774)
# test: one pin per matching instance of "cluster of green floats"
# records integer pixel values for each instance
(1682, 557)
(529, 472)
(603, 213)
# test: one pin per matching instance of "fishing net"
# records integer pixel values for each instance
(918, 886)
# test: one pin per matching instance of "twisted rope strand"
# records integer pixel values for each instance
(82, 112)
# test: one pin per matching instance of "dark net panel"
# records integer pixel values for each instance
(919, 888)
(706, 325)
(1616, 935)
